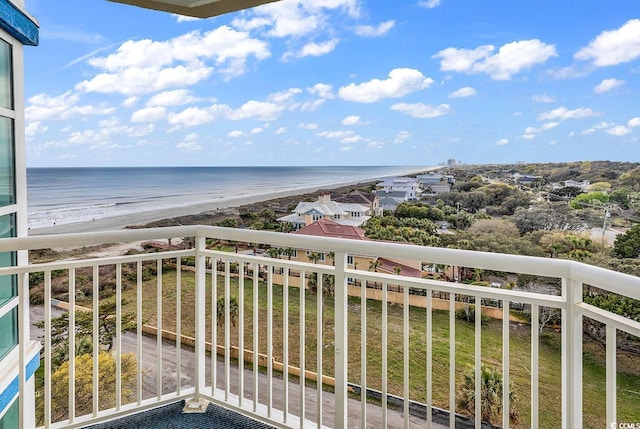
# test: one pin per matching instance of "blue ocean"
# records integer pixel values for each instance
(69, 195)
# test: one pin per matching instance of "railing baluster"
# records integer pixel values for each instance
(303, 342)
(139, 385)
(240, 333)
(363, 355)
(47, 350)
(452, 360)
(200, 328)
(214, 326)
(270, 340)
(612, 346)
(118, 339)
(478, 361)
(227, 329)
(506, 387)
(96, 338)
(178, 326)
(385, 325)
(319, 347)
(285, 344)
(429, 312)
(405, 348)
(72, 344)
(341, 336)
(535, 346)
(256, 309)
(159, 329)
(571, 355)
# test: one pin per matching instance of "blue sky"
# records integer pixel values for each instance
(334, 82)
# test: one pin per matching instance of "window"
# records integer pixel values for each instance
(317, 217)
(322, 257)
(8, 287)
(349, 260)
(8, 332)
(6, 76)
(7, 163)
(337, 216)
(10, 419)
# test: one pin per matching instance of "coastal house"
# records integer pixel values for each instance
(584, 184)
(259, 380)
(391, 200)
(409, 185)
(331, 229)
(359, 197)
(305, 213)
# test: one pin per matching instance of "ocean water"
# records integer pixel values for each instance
(69, 195)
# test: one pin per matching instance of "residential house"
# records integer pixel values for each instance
(359, 197)
(391, 200)
(306, 213)
(409, 185)
(17, 29)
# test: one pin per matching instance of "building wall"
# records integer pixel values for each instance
(17, 28)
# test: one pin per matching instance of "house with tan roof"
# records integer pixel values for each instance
(349, 214)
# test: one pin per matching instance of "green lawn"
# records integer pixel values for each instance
(520, 349)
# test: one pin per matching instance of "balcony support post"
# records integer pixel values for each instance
(341, 341)
(572, 356)
(197, 403)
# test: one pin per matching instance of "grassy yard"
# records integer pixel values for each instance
(520, 349)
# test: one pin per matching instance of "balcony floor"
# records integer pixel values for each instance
(172, 417)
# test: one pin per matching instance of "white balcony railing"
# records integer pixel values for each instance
(358, 340)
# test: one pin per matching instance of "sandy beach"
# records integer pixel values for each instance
(207, 213)
(144, 218)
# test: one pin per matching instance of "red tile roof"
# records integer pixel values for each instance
(389, 267)
(329, 228)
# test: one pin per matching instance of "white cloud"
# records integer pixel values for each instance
(259, 110)
(284, 96)
(149, 114)
(466, 91)
(562, 113)
(543, 98)
(588, 131)
(528, 136)
(511, 58)
(351, 120)
(613, 47)
(235, 134)
(309, 126)
(336, 134)
(316, 49)
(374, 31)
(619, 130)
(346, 148)
(430, 4)
(401, 82)
(281, 130)
(193, 116)
(634, 122)
(544, 127)
(176, 97)
(420, 110)
(402, 137)
(502, 142)
(607, 85)
(190, 143)
(130, 101)
(322, 90)
(256, 130)
(144, 66)
(601, 125)
(35, 128)
(43, 107)
(295, 18)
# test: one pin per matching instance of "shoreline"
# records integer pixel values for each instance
(209, 212)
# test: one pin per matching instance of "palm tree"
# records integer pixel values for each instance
(332, 256)
(374, 265)
(397, 270)
(234, 309)
(491, 394)
(314, 257)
